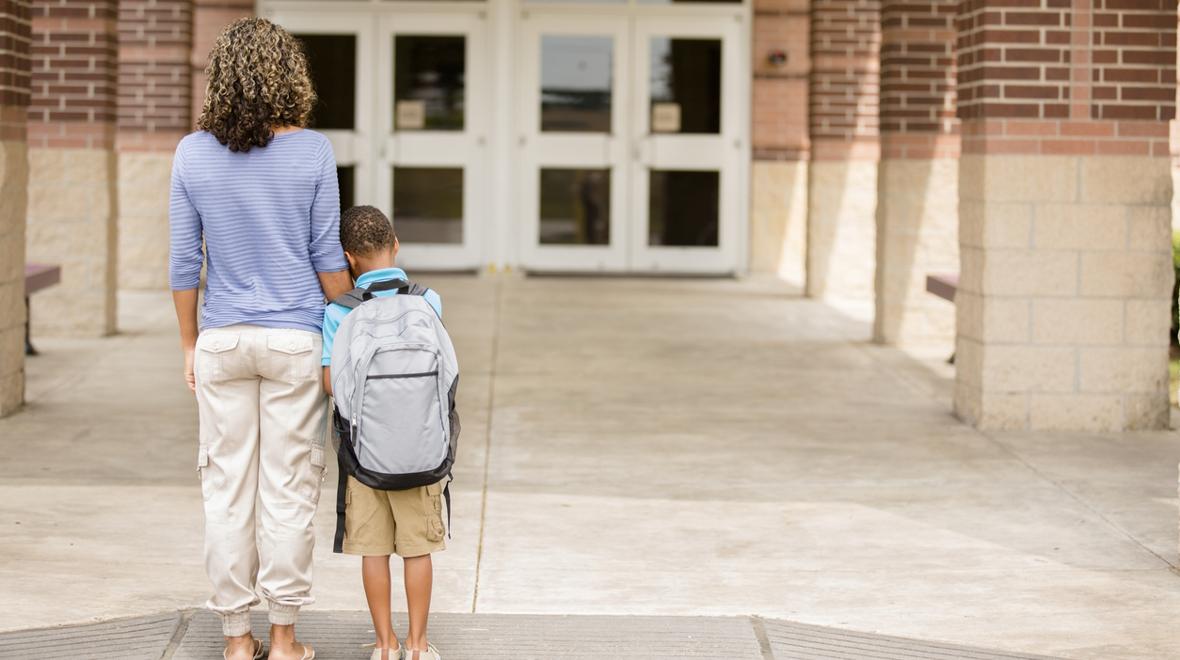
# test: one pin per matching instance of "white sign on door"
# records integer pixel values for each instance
(411, 115)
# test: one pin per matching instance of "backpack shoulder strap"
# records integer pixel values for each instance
(414, 289)
(351, 299)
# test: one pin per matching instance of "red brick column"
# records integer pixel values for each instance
(917, 194)
(1065, 187)
(72, 163)
(14, 101)
(154, 112)
(209, 18)
(841, 227)
(781, 64)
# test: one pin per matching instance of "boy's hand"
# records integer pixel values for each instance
(190, 378)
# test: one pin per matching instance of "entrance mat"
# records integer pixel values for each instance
(196, 635)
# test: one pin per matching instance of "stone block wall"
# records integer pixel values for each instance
(14, 101)
(842, 185)
(72, 171)
(778, 186)
(1065, 194)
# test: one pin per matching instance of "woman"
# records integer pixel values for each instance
(260, 192)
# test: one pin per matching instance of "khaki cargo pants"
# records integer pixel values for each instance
(263, 423)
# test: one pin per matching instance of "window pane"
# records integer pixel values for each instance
(686, 81)
(428, 204)
(429, 80)
(575, 206)
(345, 176)
(683, 208)
(576, 83)
(332, 58)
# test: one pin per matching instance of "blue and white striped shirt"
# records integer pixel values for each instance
(269, 219)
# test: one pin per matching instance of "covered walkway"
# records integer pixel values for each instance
(646, 447)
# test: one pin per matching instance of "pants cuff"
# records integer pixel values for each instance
(283, 615)
(235, 624)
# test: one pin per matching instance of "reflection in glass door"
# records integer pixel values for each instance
(686, 199)
(432, 114)
(571, 115)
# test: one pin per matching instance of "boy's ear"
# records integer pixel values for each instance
(351, 261)
(396, 245)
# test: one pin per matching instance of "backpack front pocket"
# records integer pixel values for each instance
(401, 422)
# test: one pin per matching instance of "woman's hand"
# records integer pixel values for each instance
(189, 377)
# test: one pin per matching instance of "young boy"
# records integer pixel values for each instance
(380, 523)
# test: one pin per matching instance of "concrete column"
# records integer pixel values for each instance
(842, 185)
(1065, 187)
(918, 177)
(14, 178)
(72, 171)
(778, 213)
(154, 112)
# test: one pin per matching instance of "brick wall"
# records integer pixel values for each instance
(844, 92)
(14, 99)
(918, 91)
(155, 40)
(209, 18)
(1067, 76)
(780, 89)
(73, 74)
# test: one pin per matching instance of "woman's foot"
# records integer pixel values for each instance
(284, 647)
(291, 651)
(242, 648)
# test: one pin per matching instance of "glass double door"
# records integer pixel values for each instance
(402, 97)
(630, 141)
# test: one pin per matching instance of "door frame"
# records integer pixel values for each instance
(438, 148)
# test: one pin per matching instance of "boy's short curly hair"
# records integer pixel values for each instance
(365, 230)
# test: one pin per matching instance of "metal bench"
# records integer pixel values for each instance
(943, 285)
(37, 277)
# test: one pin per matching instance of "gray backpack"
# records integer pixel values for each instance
(394, 377)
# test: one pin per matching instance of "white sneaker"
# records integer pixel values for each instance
(430, 653)
(394, 654)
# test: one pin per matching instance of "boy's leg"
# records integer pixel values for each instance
(419, 576)
(375, 575)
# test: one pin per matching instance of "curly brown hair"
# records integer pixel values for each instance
(364, 230)
(259, 80)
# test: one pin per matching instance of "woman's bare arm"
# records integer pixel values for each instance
(335, 284)
(185, 301)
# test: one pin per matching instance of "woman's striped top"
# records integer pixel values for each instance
(269, 219)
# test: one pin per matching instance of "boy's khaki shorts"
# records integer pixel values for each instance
(407, 523)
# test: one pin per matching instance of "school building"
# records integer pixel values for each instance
(851, 147)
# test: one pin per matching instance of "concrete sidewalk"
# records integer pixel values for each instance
(628, 450)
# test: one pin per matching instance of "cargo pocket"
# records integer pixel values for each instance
(202, 464)
(434, 525)
(209, 365)
(290, 358)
